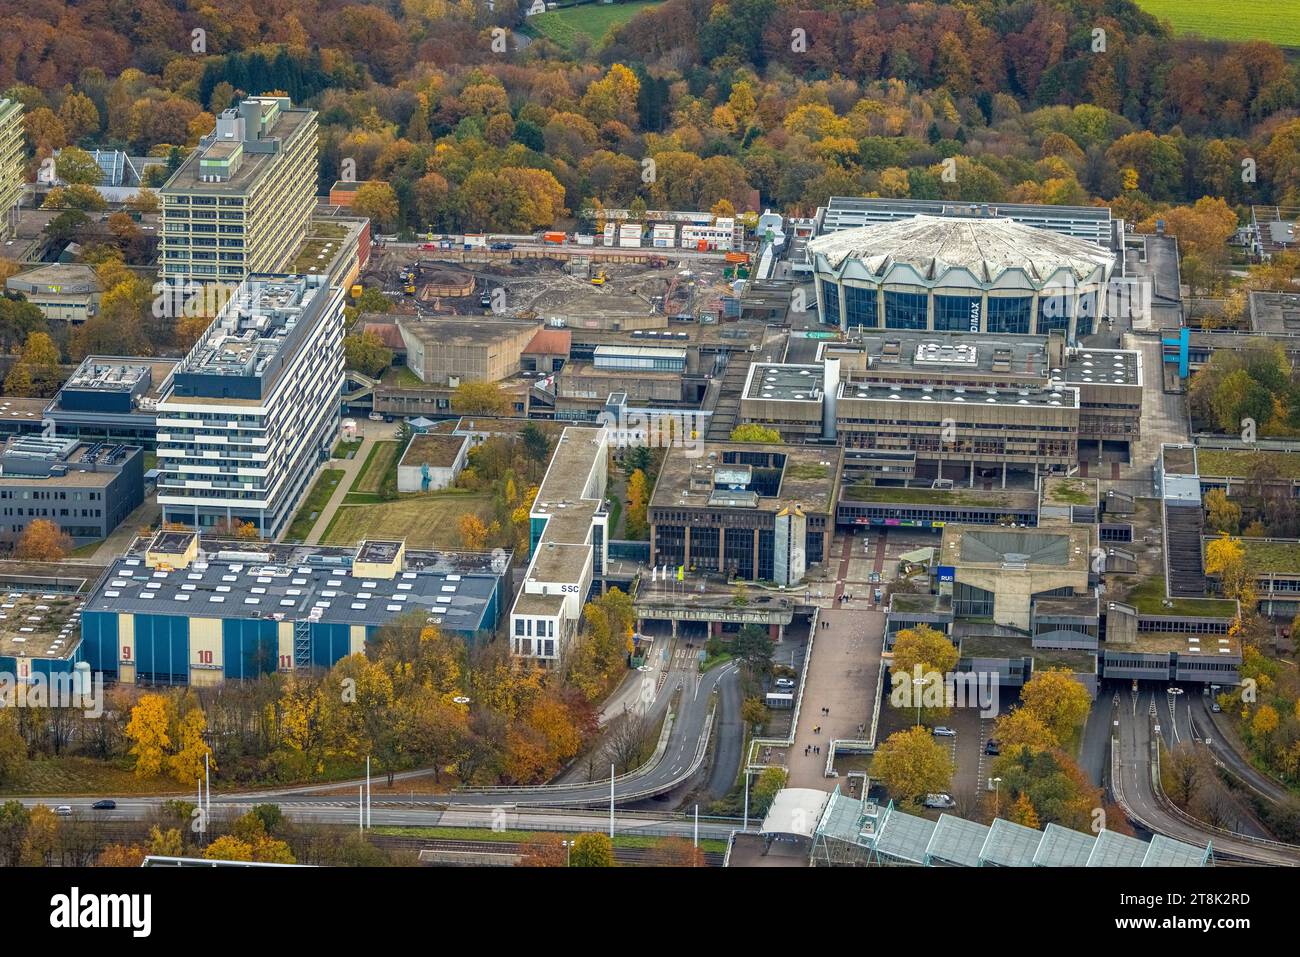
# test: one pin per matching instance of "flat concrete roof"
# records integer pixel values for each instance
(809, 475)
(1275, 313)
(35, 624)
(463, 331)
(251, 168)
(788, 383)
(1063, 397)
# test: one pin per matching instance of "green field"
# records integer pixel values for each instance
(592, 20)
(1275, 20)
(430, 520)
(380, 459)
(305, 519)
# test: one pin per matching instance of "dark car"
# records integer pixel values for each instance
(502, 247)
(105, 805)
(992, 747)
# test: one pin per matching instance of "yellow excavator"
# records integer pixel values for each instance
(598, 279)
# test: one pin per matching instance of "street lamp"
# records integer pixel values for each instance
(997, 796)
(917, 683)
(568, 849)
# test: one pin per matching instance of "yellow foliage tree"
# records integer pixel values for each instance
(147, 730)
(1059, 701)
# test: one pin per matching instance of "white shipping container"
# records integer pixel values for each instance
(475, 239)
(586, 240)
(610, 233)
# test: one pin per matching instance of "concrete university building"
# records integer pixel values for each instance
(87, 489)
(960, 274)
(909, 405)
(171, 612)
(569, 548)
(12, 163)
(252, 410)
(759, 512)
(242, 202)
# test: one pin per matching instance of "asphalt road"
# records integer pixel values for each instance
(392, 813)
(1133, 787)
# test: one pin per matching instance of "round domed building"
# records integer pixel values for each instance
(960, 274)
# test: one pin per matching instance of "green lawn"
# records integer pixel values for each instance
(975, 498)
(382, 457)
(1274, 20)
(592, 20)
(1148, 598)
(716, 845)
(1237, 463)
(345, 448)
(430, 520)
(311, 506)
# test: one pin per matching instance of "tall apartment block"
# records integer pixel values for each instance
(250, 413)
(242, 202)
(11, 163)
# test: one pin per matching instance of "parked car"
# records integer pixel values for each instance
(105, 805)
(992, 747)
(784, 683)
(944, 732)
(502, 247)
(63, 810)
(1214, 706)
(939, 801)
(375, 417)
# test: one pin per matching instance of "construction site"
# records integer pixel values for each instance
(621, 292)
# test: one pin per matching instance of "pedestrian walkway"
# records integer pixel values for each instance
(351, 469)
(842, 678)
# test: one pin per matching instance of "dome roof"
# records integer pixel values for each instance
(986, 246)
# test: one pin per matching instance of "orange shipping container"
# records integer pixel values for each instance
(553, 237)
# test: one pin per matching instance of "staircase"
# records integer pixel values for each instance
(1183, 551)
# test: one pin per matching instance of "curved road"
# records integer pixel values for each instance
(1134, 745)
(684, 753)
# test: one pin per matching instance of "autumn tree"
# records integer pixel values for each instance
(1023, 728)
(1225, 558)
(1223, 515)
(121, 855)
(367, 353)
(473, 532)
(637, 503)
(765, 788)
(75, 166)
(592, 850)
(480, 398)
(752, 432)
(147, 732)
(911, 764)
(1058, 700)
(377, 201)
(43, 541)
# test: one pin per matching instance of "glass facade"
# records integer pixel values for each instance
(905, 310)
(860, 307)
(957, 313)
(1053, 314)
(830, 303)
(1010, 314)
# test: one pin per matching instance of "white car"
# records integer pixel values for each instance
(944, 732)
(784, 683)
(941, 801)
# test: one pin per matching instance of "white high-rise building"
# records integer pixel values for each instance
(250, 414)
